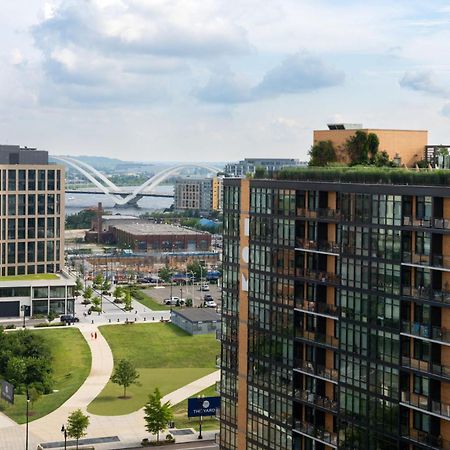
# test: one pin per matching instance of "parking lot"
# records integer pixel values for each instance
(190, 291)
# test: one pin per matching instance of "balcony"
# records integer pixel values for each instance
(317, 308)
(427, 293)
(318, 275)
(322, 402)
(317, 338)
(426, 439)
(428, 332)
(218, 361)
(316, 370)
(424, 403)
(434, 261)
(319, 213)
(441, 224)
(426, 367)
(316, 433)
(318, 246)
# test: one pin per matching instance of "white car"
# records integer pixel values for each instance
(174, 300)
(204, 287)
(210, 304)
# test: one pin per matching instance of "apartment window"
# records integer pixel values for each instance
(421, 385)
(421, 421)
(41, 180)
(423, 207)
(32, 180)
(22, 181)
(422, 350)
(423, 243)
(12, 185)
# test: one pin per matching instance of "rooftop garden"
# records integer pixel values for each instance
(37, 276)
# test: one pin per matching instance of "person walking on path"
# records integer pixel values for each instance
(95, 335)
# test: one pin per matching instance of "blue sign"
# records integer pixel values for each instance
(205, 406)
(7, 392)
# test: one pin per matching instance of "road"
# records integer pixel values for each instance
(206, 445)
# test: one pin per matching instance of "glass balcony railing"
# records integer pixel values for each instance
(318, 400)
(317, 307)
(316, 370)
(443, 224)
(318, 338)
(429, 440)
(319, 246)
(426, 331)
(426, 366)
(319, 213)
(436, 261)
(318, 275)
(427, 293)
(424, 403)
(316, 432)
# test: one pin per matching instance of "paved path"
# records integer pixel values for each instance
(130, 428)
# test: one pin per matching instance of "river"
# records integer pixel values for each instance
(77, 202)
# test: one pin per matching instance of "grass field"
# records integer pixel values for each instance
(151, 303)
(37, 276)
(166, 357)
(71, 366)
(183, 421)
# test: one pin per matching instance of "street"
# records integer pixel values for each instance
(205, 445)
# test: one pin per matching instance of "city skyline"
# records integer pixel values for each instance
(185, 80)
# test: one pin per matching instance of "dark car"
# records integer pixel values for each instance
(208, 298)
(69, 319)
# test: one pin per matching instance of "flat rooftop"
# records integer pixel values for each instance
(198, 314)
(148, 228)
(41, 279)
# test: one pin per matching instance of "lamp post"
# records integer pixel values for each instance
(27, 414)
(64, 430)
(23, 308)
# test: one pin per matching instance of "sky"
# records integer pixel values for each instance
(213, 80)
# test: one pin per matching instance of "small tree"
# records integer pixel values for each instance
(157, 414)
(125, 374)
(34, 395)
(118, 292)
(78, 287)
(358, 148)
(98, 281)
(373, 144)
(77, 424)
(87, 294)
(106, 286)
(128, 300)
(322, 153)
(165, 273)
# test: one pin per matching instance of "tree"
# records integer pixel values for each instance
(322, 153)
(157, 414)
(34, 395)
(197, 269)
(128, 300)
(106, 286)
(98, 281)
(118, 292)
(125, 374)
(165, 273)
(373, 144)
(78, 287)
(381, 159)
(358, 148)
(87, 294)
(77, 424)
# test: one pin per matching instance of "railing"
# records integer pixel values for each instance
(316, 432)
(426, 331)
(427, 293)
(320, 246)
(317, 337)
(427, 439)
(317, 307)
(426, 366)
(318, 275)
(426, 404)
(218, 361)
(317, 400)
(316, 369)
(443, 224)
(439, 261)
(319, 213)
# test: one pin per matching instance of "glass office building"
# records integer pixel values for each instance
(336, 319)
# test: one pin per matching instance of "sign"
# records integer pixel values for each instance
(7, 392)
(205, 406)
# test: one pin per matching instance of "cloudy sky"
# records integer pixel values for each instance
(217, 80)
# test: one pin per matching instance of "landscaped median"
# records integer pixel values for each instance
(71, 363)
(165, 356)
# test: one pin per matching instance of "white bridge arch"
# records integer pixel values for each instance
(111, 190)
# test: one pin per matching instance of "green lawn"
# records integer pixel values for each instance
(37, 276)
(166, 357)
(71, 366)
(183, 421)
(151, 303)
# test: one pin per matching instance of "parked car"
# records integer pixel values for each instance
(69, 319)
(207, 298)
(204, 287)
(174, 300)
(209, 304)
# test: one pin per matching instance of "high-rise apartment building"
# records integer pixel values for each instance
(32, 212)
(248, 166)
(198, 194)
(336, 312)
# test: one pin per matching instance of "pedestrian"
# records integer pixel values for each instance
(92, 335)
(95, 335)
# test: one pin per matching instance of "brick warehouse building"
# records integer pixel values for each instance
(336, 312)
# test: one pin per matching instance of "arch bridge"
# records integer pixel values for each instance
(108, 188)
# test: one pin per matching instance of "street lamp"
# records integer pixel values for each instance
(64, 430)
(24, 309)
(27, 414)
